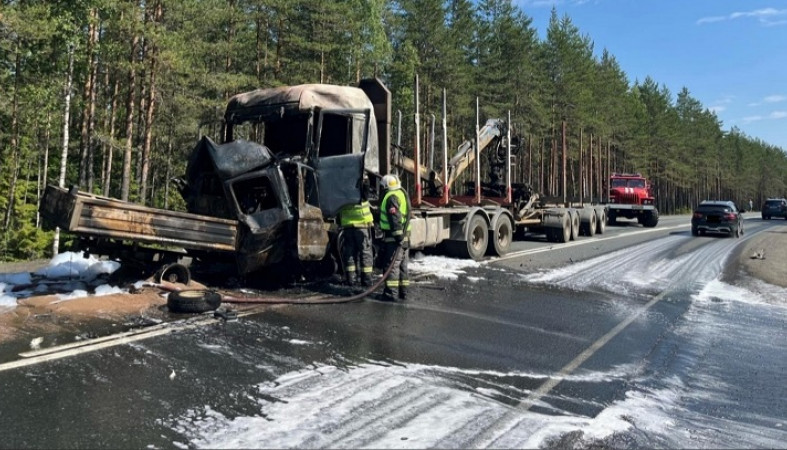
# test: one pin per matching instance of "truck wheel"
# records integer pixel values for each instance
(193, 301)
(652, 219)
(601, 223)
(173, 273)
(564, 233)
(574, 224)
(475, 243)
(589, 228)
(501, 236)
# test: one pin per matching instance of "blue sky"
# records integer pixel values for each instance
(730, 54)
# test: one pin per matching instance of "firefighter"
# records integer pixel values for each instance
(356, 222)
(395, 225)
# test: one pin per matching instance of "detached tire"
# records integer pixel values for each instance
(193, 301)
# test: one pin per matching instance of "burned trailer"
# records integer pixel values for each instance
(289, 159)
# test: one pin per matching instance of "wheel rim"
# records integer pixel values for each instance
(477, 238)
(503, 236)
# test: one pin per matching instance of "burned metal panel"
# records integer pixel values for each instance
(210, 165)
(262, 204)
(57, 208)
(339, 182)
(89, 215)
(313, 238)
(278, 102)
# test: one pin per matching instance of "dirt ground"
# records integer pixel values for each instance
(763, 257)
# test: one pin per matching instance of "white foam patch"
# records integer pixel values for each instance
(373, 406)
(77, 293)
(645, 268)
(73, 265)
(106, 289)
(13, 279)
(441, 266)
(7, 302)
(717, 290)
(299, 342)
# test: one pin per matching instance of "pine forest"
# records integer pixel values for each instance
(111, 95)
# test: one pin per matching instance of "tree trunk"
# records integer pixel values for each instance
(125, 186)
(151, 104)
(64, 153)
(110, 145)
(45, 169)
(89, 97)
(14, 135)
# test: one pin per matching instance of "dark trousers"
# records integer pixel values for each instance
(399, 278)
(357, 254)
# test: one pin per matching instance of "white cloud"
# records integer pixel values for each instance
(778, 115)
(717, 109)
(765, 16)
(711, 19)
(775, 98)
(751, 119)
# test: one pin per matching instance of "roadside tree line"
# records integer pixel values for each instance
(110, 95)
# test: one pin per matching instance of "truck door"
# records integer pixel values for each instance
(341, 141)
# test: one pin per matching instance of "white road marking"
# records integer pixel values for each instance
(91, 345)
(509, 420)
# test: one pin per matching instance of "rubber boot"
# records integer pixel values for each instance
(402, 294)
(365, 281)
(388, 295)
(350, 280)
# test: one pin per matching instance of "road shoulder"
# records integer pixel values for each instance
(765, 256)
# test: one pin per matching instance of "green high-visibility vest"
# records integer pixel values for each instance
(359, 215)
(401, 196)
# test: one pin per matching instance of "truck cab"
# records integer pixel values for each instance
(630, 196)
(289, 159)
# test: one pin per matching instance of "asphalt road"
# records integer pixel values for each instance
(636, 338)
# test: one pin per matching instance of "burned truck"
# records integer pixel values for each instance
(267, 195)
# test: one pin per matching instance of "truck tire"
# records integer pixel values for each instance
(475, 243)
(590, 226)
(193, 301)
(651, 220)
(173, 273)
(563, 234)
(601, 222)
(574, 224)
(501, 236)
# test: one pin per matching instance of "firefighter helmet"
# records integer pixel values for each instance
(390, 182)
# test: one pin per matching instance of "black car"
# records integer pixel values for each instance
(717, 217)
(774, 207)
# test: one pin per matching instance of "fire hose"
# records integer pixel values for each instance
(329, 299)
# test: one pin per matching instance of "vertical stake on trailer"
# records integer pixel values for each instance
(564, 164)
(508, 160)
(417, 149)
(445, 151)
(477, 156)
(399, 129)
